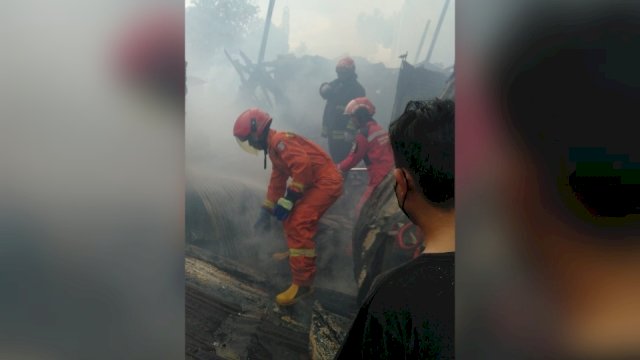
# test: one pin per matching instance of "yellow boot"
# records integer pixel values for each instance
(293, 294)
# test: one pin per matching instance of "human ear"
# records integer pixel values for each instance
(411, 185)
(401, 182)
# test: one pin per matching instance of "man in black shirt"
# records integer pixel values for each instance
(336, 126)
(409, 312)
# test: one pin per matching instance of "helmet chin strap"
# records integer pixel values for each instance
(264, 144)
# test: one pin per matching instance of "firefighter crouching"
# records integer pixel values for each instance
(315, 185)
(371, 144)
(337, 93)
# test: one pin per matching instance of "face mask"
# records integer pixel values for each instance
(259, 145)
(255, 143)
(404, 199)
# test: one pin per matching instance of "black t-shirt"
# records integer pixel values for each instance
(342, 91)
(408, 314)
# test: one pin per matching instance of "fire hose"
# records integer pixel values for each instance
(401, 244)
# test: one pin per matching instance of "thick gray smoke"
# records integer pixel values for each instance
(227, 185)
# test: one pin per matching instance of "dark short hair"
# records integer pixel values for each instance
(422, 139)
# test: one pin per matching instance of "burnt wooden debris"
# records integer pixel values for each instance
(231, 314)
(416, 83)
(231, 280)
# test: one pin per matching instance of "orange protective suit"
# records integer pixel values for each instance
(371, 145)
(314, 175)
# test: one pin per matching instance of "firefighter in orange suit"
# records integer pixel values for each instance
(371, 145)
(315, 185)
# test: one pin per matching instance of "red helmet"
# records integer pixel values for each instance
(361, 103)
(251, 121)
(346, 64)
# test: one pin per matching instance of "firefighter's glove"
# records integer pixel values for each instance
(293, 196)
(285, 204)
(325, 90)
(264, 221)
(282, 209)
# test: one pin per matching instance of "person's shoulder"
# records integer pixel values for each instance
(354, 82)
(283, 135)
(282, 139)
(424, 271)
(373, 126)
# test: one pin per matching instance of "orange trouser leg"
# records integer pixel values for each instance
(300, 228)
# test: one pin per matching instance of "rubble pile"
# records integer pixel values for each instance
(230, 314)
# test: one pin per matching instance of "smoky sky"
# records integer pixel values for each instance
(331, 28)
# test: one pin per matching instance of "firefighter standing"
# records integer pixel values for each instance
(337, 93)
(371, 145)
(315, 185)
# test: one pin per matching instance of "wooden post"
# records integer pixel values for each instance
(437, 32)
(265, 34)
(424, 35)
